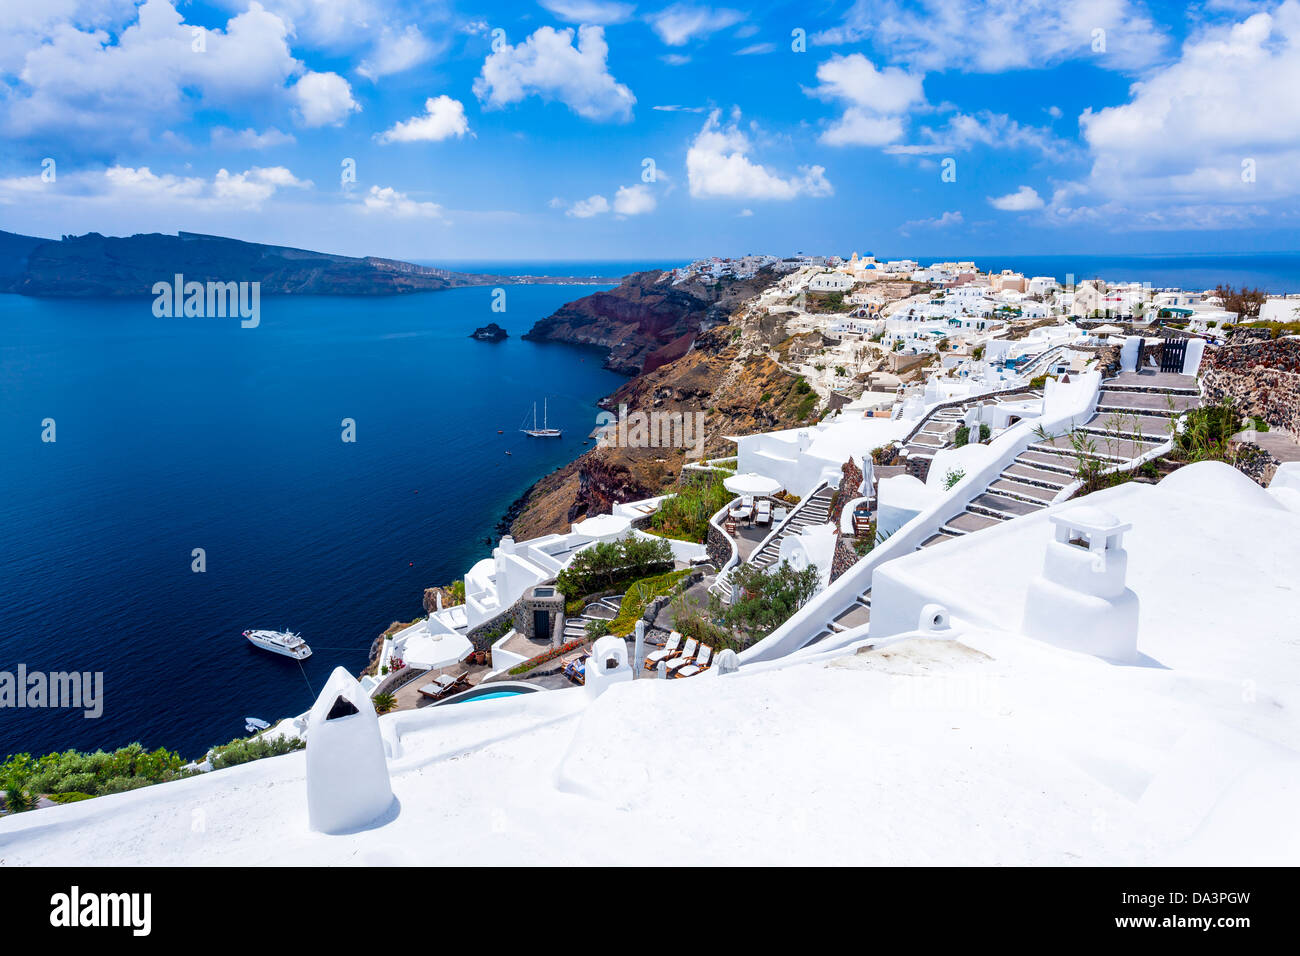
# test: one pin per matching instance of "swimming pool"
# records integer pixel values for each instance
(494, 690)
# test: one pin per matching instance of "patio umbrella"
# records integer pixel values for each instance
(603, 526)
(1107, 330)
(751, 483)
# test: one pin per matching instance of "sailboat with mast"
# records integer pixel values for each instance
(545, 431)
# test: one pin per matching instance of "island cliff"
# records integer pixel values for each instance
(649, 320)
(740, 392)
(95, 265)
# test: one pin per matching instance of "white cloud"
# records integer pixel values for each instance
(1024, 198)
(396, 52)
(225, 138)
(993, 36)
(717, 167)
(254, 186)
(332, 24)
(117, 86)
(1175, 154)
(634, 200)
(985, 128)
(590, 11)
(143, 183)
(857, 127)
(876, 101)
(139, 186)
(674, 108)
(324, 99)
(756, 49)
(586, 208)
(950, 218)
(443, 118)
(388, 201)
(682, 22)
(549, 65)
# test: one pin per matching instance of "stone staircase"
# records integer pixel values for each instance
(602, 609)
(1129, 422)
(939, 429)
(816, 510)
(1121, 430)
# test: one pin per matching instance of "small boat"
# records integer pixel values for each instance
(280, 642)
(254, 724)
(545, 431)
(500, 431)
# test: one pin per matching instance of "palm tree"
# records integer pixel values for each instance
(384, 702)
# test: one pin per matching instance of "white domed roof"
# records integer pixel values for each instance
(1216, 481)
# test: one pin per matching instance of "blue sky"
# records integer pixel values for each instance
(524, 130)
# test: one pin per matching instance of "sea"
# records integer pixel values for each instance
(173, 435)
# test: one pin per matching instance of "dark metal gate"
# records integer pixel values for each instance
(1171, 357)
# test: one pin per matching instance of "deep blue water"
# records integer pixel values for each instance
(175, 434)
(576, 268)
(1274, 272)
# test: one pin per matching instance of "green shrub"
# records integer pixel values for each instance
(638, 598)
(952, 477)
(92, 773)
(767, 598)
(246, 749)
(607, 562)
(685, 516)
(961, 436)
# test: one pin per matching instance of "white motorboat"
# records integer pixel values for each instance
(280, 642)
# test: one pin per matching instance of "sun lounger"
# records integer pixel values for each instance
(763, 512)
(442, 685)
(669, 650)
(574, 666)
(687, 655)
(701, 663)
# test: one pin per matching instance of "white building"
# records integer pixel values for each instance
(830, 282)
(973, 739)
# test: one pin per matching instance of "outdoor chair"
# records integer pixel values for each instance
(669, 650)
(701, 663)
(441, 685)
(763, 512)
(686, 657)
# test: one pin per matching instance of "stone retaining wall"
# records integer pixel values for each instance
(845, 556)
(1262, 377)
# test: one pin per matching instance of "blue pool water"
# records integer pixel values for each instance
(176, 434)
(500, 693)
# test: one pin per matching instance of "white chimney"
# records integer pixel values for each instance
(347, 773)
(1079, 601)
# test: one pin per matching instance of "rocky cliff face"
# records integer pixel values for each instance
(738, 393)
(647, 321)
(95, 265)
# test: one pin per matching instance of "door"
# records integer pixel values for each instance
(1171, 358)
(542, 625)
